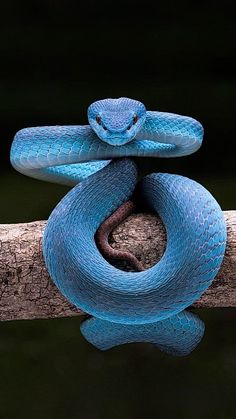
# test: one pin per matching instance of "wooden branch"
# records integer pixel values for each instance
(27, 291)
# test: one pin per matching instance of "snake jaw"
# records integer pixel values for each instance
(117, 140)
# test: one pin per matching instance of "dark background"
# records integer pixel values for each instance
(56, 58)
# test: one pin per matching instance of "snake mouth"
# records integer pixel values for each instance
(118, 140)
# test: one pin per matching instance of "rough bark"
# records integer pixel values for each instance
(27, 291)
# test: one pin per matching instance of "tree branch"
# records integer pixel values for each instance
(27, 291)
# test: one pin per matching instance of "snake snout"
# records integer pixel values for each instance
(119, 129)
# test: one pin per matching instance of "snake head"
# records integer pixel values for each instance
(116, 121)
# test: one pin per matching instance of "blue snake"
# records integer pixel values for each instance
(95, 159)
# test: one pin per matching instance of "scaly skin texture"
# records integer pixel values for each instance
(196, 232)
(58, 153)
(196, 239)
(178, 335)
(102, 235)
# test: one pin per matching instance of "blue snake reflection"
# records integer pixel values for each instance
(178, 335)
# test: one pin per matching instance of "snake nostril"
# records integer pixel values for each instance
(128, 128)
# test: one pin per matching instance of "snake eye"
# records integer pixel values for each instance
(135, 119)
(98, 119)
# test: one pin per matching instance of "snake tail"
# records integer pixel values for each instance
(103, 232)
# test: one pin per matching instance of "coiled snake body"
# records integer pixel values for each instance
(196, 233)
